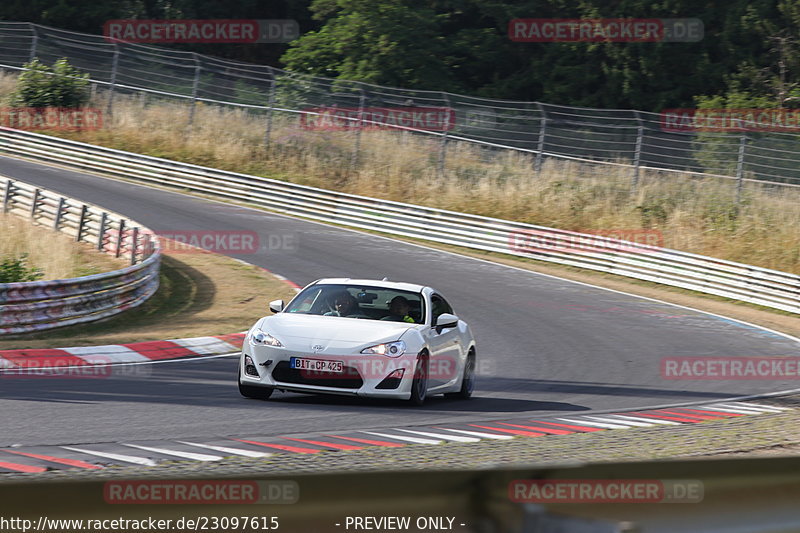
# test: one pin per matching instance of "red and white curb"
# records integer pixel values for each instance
(121, 353)
(34, 459)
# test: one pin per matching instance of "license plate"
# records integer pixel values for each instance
(318, 365)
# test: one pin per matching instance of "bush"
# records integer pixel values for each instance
(41, 86)
(14, 269)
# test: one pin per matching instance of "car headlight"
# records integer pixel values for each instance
(262, 338)
(389, 349)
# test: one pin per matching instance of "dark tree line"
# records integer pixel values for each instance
(749, 53)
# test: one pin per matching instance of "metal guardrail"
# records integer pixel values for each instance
(40, 305)
(762, 286)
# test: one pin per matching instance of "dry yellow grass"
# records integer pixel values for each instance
(7, 84)
(55, 254)
(693, 214)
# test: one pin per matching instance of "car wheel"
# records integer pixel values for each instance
(468, 381)
(249, 391)
(419, 386)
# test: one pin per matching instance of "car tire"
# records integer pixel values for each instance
(250, 391)
(468, 381)
(419, 385)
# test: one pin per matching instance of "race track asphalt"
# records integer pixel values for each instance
(546, 346)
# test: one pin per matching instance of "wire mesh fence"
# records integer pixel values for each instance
(634, 139)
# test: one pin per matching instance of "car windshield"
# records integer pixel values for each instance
(358, 301)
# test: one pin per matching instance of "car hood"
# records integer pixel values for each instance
(301, 332)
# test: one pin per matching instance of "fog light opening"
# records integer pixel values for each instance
(250, 366)
(392, 381)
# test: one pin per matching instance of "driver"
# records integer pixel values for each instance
(343, 305)
(399, 309)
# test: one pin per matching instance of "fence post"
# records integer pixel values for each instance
(740, 167)
(637, 155)
(443, 147)
(540, 145)
(81, 222)
(59, 213)
(357, 149)
(34, 203)
(113, 82)
(101, 231)
(34, 43)
(195, 87)
(120, 237)
(134, 240)
(147, 245)
(7, 195)
(270, 105)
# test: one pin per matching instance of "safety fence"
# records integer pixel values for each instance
(762, 286)
(637, 140)
(40, 305)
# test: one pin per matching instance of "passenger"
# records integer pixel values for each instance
(399, 309)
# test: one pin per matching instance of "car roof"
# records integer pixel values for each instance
(386, 284)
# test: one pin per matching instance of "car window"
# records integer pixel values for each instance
(439, 306)
(357, 301)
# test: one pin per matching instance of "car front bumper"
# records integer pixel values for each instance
(363, 375)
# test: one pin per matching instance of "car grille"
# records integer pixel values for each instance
(349, 379)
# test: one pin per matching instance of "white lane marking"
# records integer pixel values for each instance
(757, 406)
(105, 355)
(185, 455)
(760, 409)
(149, 362)
(225, 449)
(647, 420)
(453, 438)
(115, 456)
(205, 345)
(479, 434)
(414, 440)
(730, 410)
(596, 424)
(631, 423)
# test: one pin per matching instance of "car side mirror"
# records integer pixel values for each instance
(446, 320)
(276, 306)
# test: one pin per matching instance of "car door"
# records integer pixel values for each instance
(445, 346)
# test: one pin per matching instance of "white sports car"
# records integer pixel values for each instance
(360, 337)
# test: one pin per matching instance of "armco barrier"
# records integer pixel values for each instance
(762, 286)
(40, 305)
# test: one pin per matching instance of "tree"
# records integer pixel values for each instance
(387, 42)
(41, 86)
